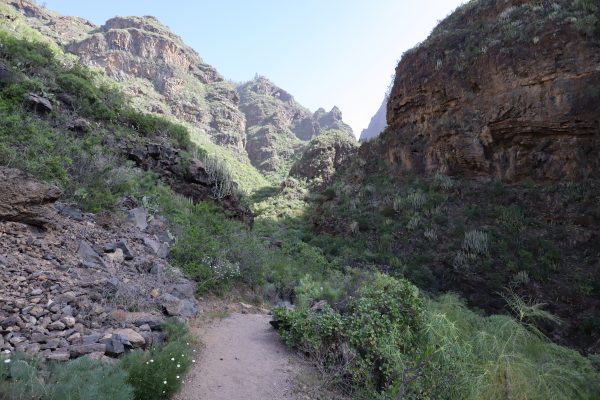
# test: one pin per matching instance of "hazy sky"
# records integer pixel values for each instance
(324, 52)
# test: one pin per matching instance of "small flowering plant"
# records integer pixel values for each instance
(159, 373)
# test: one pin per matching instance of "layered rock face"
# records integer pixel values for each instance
(278, 126)
(377, 124)
(502, 88)
(133, 49)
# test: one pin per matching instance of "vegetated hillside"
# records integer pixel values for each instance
(164, 76)
(501, 88)
(278, 127)
(76, 283)
(377, 124)
(503, 91)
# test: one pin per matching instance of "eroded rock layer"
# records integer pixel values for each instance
(502, 88)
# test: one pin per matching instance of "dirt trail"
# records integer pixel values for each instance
(243, 359)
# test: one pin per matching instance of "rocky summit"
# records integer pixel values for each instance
(278, 128)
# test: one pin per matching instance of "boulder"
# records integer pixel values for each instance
(139, 217)
(37, 103)
(171, 304)
(134, 338)
(89, 257)
(24, 199)
(83, 349)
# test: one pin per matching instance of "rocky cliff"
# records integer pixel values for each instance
(472, 100)
(133, 49)
(324, 155)
(278, 127)
(377, 124)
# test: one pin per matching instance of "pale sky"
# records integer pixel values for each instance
(324, 52)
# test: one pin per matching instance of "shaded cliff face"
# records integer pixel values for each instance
(377, 124)
(324, 155)
(278, 127)
(502, 88)
(165, 75)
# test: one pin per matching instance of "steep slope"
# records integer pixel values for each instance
(505, 92)
(278, 127)
(377, 124)
(472, 100)
(161, 74)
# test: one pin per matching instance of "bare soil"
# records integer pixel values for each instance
(243, 358)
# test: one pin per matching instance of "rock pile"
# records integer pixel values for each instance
(84, 284)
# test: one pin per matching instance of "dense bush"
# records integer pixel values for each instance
(374, 340)
(389, 341)
(80, 379)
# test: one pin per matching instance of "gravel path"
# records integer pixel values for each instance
(243, 359)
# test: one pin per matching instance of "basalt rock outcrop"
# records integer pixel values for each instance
(278, 127)
(189, 178)
(507, 89)
(24, 199)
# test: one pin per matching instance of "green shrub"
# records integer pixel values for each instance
(374, 340)
(158, 373)
(81, 379)
(85, 379)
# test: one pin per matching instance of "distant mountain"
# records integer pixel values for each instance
(278, 128)
(378, 123)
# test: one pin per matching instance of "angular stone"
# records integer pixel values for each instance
(37, 311)
(127, 254)
(68, 321)
(51, 344)
(10, 321)
(115, 346)
(139, 217)
(171, 304)
(38, 103)
(89, 257)
(134, 338)
(83, 349)
(69, 211)
(39, 337)
(60, 355)
(89, 339)
(56, 326)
